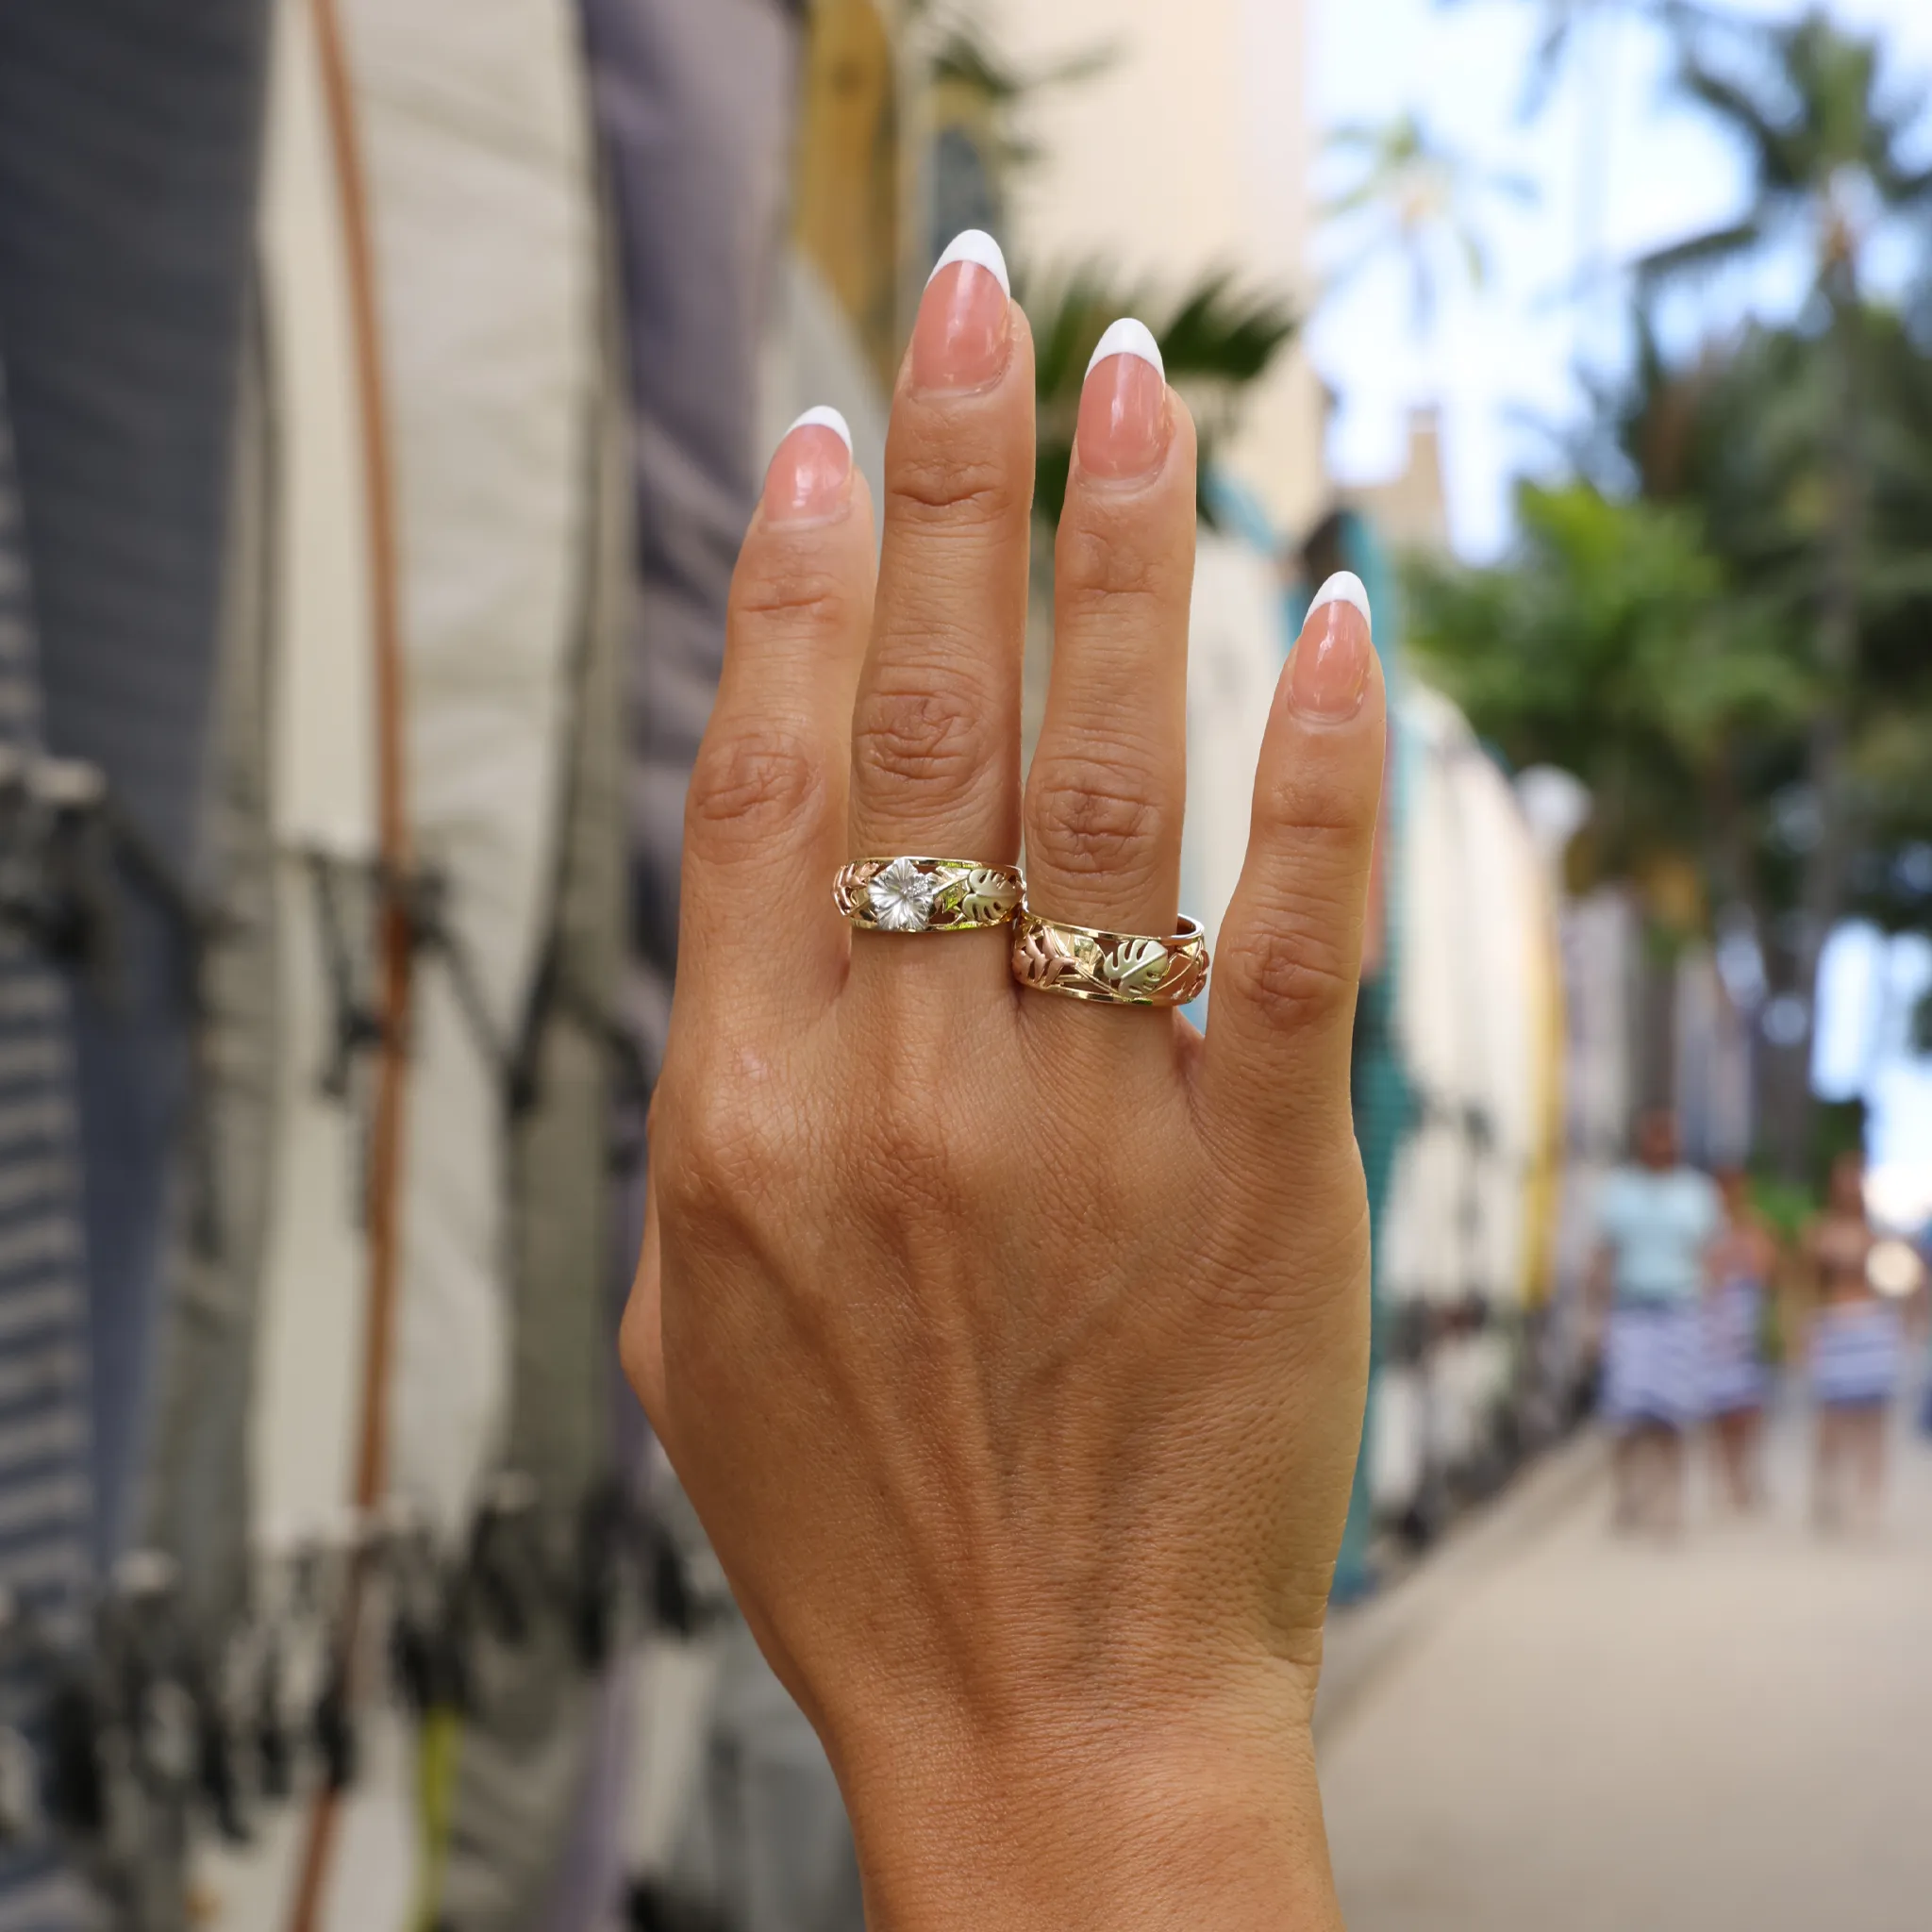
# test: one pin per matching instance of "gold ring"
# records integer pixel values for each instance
(927, 894)
(1120, 969)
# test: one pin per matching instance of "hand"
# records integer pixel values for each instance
(1012, 1349)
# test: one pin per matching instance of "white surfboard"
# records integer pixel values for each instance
(1473, 1018)
(477, 147)
(1501, 1041)
(1422, 1259)
(309, 1362)
(1423, 1230)
(1236, 648)
(475, 134)
(1500, 887)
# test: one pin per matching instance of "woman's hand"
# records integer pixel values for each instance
(1012, 1348)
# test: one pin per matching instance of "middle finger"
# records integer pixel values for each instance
(936, 725)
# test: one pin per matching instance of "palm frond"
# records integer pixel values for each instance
(1702, 252)
(1766, 134)
(1225, 333)
(1475, 261)
(1353, 201)
(968, 57)
(1217, 339)
(1902, 188)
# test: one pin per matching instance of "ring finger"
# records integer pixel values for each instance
(1107, 788)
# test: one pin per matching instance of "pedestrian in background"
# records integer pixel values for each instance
(1657, 1221)
(1743, 1267)
(1857, 1344)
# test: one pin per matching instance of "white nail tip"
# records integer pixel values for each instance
(1128, 338)
(1344, 587)
(976, 246)
(825, 417)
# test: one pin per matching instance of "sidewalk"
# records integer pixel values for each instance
(1566, 1732)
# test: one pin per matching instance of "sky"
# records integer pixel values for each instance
(1503, 360)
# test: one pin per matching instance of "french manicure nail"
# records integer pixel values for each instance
(810, 473)
(959, 340)
(1328, 669)
(1124, 421)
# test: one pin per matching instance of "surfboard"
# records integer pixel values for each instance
(475, 133)
(122, 314)
(45, 1494)
(1473, 1017)
(1236, 649)
(479, 166)
(1423, 1258)
(199, 1473)
(324, 809)
(1504, 889)
(525, 1759)
(1417, 1265)
(696, 107)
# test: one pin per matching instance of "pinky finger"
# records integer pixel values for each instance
(1281, 1011)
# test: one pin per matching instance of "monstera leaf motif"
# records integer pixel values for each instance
(1137, 966)
(982, 896)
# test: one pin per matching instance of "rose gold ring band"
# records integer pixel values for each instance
(1119, 969)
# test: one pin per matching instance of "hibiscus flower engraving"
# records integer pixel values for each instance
(902, 897)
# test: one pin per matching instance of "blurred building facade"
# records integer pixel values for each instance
(1189, 152)
(1411, 509)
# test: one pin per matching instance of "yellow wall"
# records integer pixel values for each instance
(846, 210)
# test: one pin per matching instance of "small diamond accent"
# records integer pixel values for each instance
(902, 896)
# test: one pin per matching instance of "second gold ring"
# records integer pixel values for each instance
(1120, 969)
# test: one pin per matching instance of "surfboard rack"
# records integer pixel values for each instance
(121, 1738)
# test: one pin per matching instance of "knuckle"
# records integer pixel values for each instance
(937, 481)
(747, 782)
(718, 1155)
(1297, 968)
(939, 486)
(931, 734)
(1104, 560)
(1094, 815)
(775, 589)
(1327, 824)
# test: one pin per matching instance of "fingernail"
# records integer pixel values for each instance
(1328, 670)
(960, 340)
(1122, 429)
(812, 470)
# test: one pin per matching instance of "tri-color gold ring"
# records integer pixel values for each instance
(1119, 969)
(916, 894)
(912, 893)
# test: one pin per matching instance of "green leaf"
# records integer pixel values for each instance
(1135, 966)
(981, 894)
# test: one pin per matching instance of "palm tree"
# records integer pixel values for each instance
(1217, 340)
(1563, 26)
(1826, 147)
(1416, 198)
(1571, 31)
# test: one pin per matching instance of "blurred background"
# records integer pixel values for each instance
(384, 386)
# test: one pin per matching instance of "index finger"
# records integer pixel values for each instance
(764, 825)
